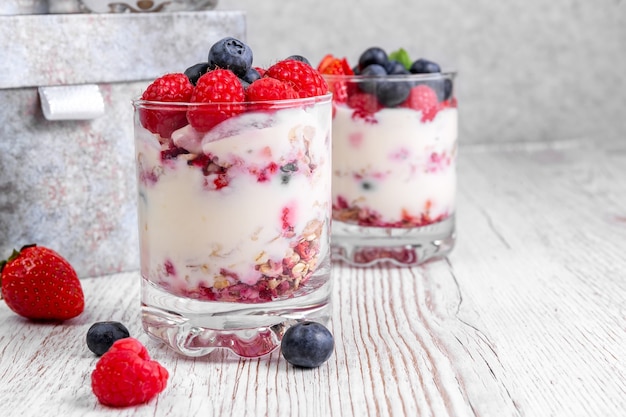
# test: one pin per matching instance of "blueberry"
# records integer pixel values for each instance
(447, 88)
(395, 68)
(373, 70)
(392, 93)
(373, 55)
(251, 75)
(102, 335)
(424, 66)
(307, 344)
(299, 58)
(196, 71)
(230, 53)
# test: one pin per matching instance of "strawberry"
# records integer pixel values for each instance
(330, 65)
(423, 98)
(334, 66)
(267, 88)
(168, 88)
(307, 81)
(39, 284)
(217, 86)
(125, 375)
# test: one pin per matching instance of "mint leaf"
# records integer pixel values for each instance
(402, 57)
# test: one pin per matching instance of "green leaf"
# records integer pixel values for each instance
(402, 57)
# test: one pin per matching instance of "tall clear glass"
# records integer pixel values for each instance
(234, 221)
(394, 168)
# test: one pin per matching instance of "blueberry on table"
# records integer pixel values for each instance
(196, 71)
(307, 344)
(230, 53)
(424, 66)
(373, 55)
(102, 335)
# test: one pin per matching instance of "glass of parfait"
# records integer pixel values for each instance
(394, 165)
(234, 216)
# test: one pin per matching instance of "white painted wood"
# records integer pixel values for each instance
(525, 318)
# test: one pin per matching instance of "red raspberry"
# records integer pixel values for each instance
(168, 88)
(267, 88)
(307, 81)
(125, 375)
(260, 70)
(217, 86)
(334, 66)
(364, 105)
(423, 98)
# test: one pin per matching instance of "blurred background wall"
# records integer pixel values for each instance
(529, 70)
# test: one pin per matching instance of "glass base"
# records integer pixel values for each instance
(196, 328)
(367, 246)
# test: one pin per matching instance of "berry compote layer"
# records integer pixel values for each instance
(239, 213)
(393, 167)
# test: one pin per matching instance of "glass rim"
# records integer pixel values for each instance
(393, 77)
(288, 103)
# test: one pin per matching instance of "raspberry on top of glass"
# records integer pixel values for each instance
(234, 177)
(394, 139)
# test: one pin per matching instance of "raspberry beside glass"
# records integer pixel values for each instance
(234, 206)
(394, 159)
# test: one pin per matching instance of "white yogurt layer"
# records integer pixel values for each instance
(202, 231)
(396, 166)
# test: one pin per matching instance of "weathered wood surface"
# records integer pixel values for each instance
(527, 317)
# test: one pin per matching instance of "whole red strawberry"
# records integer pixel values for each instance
(217, 86)
(170, 88)
(307, 81)
(39, 284)
(125, 375)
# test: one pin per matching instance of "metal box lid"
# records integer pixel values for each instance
(63, 49)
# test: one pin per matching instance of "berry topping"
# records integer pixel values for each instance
(307, 344)
(102, 335)
(334, 66)
(217, 86)
(373, 70)
(230, 53)
(392, 93)
(373, 55)
(168, 88)
(395, 68)
(196, 71)
(39, 284)
(251, 75)
(423, 98)
(299, 58)
(424, 66)
(303, 78)
(270, 89)
(125, 375)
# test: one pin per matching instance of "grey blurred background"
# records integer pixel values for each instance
(529, 70)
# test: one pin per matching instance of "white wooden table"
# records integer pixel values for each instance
(527, 317)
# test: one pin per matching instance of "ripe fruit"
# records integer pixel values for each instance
(196, 71)
(307, 344)
(174, 87)
(423, 98)
(330, 65)
(102, 335)
(270, 89)
(299, 58)
(39, 284)
(303, 78)
(230, 53)
(373, 55)
(217, 86)
(424, 66)
(125, 375)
